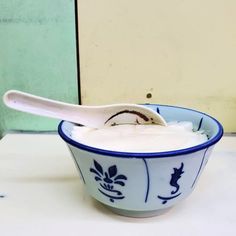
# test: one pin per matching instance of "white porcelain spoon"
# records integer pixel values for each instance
(92, 116)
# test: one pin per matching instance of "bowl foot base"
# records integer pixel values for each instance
(138, 214)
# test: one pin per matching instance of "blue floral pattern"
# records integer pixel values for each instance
(108, 180)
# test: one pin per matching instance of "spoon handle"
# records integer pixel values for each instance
(41, 106)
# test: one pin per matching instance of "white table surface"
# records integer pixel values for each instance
(42, 194)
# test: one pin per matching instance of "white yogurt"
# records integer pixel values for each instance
(140, 138)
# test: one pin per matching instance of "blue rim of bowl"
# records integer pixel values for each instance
(185, 151)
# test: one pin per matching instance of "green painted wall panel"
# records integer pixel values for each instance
(37, 55)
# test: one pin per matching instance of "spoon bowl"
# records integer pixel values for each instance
(91, 116)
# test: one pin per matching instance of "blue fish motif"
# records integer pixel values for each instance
(175, 177)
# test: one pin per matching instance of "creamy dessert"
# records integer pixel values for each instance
(140, 138)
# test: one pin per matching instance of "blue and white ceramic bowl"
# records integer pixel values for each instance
(143, 184)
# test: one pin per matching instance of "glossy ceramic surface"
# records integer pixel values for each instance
(145, 184)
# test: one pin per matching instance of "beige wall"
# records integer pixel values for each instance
(183, 52)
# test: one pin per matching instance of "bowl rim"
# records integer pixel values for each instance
(184, 151)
